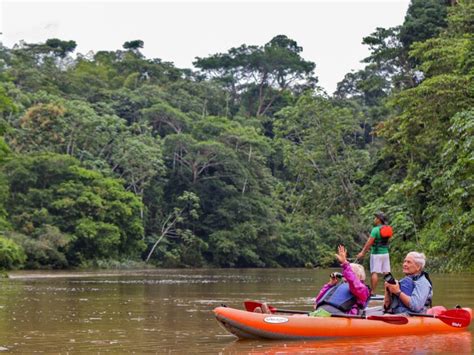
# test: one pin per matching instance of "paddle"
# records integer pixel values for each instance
(458, 318)
(251, 305)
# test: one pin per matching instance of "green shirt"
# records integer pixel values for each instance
(375, 233)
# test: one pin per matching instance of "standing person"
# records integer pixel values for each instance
(379, 256)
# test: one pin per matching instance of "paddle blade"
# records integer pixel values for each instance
(251, 305)
(398, 320)
(458, 318)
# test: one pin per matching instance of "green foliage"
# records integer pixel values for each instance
(4, 192)
(7, 106)
(11, 254)
(264, 71)
(133, 45)
(61, 48)
(324, 166)
(424, 20)
(165, 119)
(177, 225)
(429, 142)
(450, 210)
(367, 85)
(302, 243)
(111, 158)
(102, 218)
(46, 247)
(138, 158)
(97, 239)
(238, 247)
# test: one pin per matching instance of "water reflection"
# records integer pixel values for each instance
(459, 343)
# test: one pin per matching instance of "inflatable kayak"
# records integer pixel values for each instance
(251, 325)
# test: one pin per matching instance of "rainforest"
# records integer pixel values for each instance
(112, 159)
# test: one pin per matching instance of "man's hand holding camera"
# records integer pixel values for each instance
(391, 284)
(393, 288)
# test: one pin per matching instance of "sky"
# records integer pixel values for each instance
(330, 32)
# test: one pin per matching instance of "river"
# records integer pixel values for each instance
(170, 311)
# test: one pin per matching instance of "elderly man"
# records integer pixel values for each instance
(414, 292)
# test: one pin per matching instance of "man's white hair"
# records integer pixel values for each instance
(418, 258)
(358, 271)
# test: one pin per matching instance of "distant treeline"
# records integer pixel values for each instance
(111, 158)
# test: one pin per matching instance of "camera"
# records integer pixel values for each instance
(335, 275)
(389, 278)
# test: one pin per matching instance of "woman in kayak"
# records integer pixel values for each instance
(414, 292)
(349, 297)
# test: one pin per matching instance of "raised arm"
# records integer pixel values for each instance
(356, 286)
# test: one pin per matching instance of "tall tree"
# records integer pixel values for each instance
(264, 72)
(424, 19)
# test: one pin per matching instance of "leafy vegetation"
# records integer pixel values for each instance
(113, 158)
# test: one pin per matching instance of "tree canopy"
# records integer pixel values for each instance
(244, 161)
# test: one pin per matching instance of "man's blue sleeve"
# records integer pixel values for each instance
(421, 292)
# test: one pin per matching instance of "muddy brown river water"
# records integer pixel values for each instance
(170, 311)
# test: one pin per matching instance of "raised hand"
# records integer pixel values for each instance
(341, 254)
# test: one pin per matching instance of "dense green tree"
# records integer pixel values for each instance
(137, 159)
(389, 48)
(424, 19)
(265, 71)
(368, 86)
(46, 247)
(317, 160)
(222, 162)
(133, 45)
(11, 254)
(175, 225)
(61, 48)
(166, 119)
(7, 106)
(323, 163)
(450, 210)
(428, 142)
(245, 163)
(102, 219)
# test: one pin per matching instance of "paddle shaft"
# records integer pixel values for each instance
(251, 305)
(278, 310)
(399, 320)
(303, 312)
(422, 315)
(287, 311)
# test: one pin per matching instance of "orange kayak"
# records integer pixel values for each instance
(251, 325)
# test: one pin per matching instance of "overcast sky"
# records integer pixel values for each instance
(330, 32)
